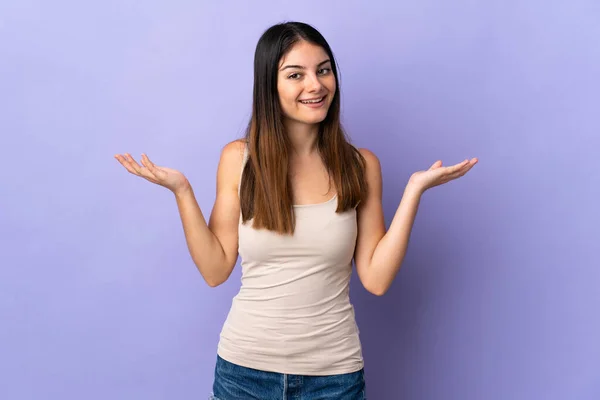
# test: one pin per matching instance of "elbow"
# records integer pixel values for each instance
(376, 288)
(213, 275)
(212, 282)
(379, 284)
(378, 291)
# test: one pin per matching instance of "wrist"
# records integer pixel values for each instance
(414, 189)
(183, 190)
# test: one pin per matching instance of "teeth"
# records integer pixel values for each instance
(312, 101)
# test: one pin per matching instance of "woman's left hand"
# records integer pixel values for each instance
(438, 175)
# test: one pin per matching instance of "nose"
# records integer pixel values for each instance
(313, 83)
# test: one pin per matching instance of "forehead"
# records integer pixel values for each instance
(304, 54)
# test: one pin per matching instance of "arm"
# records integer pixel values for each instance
(214, 246)
(379, 254)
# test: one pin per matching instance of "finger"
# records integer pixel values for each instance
(471, 164)
(462, 164)
(136, 167)
(124, 162)
(466, 167)
(139, 170)
(149, 164)
(456, 167)
(436, 165)
(147, 160)
(153, 169)
(472, 161)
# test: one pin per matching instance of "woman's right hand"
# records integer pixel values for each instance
(172, 179)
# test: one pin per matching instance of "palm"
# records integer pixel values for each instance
(437, 175)
(163, 176)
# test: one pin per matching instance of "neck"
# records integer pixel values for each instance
(303, 137)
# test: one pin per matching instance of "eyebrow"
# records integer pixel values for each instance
(301, 67)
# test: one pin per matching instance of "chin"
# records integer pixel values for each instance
(311, 121)
(314, 118)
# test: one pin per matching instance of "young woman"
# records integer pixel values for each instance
(299, 203)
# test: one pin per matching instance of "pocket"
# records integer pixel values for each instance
(364, 383)
(233, 381)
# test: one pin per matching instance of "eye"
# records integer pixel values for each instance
(324, 71)
(295, 75)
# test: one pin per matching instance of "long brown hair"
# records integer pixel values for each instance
(265, 189)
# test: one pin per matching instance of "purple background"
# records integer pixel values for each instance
(498, 297)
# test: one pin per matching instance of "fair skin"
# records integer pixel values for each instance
(304, 74)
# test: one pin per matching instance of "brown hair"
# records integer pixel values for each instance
(265, 189)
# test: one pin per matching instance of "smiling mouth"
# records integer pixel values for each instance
(313, 101)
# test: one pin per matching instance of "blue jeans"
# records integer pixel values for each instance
(234, 382)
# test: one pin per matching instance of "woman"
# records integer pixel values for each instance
(299, 203)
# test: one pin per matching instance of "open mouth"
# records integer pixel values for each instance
(313, 101)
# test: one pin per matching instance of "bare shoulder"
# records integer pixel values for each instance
(373, 164)
(373, 176)
(230, 163)
(234, 151)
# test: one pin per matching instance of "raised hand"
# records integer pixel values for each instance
(437, 175)
(163, 176)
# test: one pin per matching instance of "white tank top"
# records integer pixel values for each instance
(293, 313)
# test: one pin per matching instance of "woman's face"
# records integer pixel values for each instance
(305, 83)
